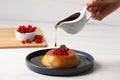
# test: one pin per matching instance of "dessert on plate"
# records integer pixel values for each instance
(62, 57)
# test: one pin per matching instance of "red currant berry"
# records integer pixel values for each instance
(23, 41)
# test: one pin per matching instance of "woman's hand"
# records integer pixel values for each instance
(102, 8)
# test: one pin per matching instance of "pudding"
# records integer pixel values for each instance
(62, 57)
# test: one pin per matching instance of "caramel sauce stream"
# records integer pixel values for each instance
(56, 35)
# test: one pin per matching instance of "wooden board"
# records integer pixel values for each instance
(8, 39)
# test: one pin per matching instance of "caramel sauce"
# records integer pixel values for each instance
(56, 35)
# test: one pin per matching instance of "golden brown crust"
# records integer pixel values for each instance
(60, 61)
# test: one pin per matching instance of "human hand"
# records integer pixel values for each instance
(101, 8)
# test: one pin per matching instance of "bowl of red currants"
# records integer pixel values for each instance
(25, 33)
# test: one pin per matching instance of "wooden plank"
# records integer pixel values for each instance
(8, 39)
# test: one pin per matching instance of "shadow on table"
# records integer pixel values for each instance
(96, 67)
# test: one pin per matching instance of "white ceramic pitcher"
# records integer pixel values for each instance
(75, 22)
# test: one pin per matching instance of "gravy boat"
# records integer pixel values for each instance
(75, 22)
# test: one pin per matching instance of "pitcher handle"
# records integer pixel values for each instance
(89, 15)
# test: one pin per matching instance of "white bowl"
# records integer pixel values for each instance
(25, 36)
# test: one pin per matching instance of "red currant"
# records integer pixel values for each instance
(26, 29)
(26, 41)
(38, 38)
(61, 51)
(23, 41)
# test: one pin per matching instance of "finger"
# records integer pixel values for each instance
(89, 3)
(92, 9)
(93, 2)
(89, 9)
(95, 15)
(100, 17)
(103, 13)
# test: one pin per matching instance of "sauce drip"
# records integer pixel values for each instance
(56, 35)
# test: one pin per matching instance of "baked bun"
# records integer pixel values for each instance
(60, 58)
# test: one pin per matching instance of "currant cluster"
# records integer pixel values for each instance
(26, 41)
(63, 50)
(26, 29)
(38, 39)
